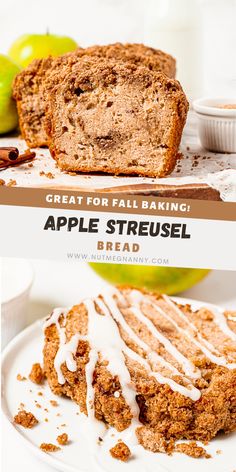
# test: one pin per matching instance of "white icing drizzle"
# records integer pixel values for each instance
(219, 360)
(67, 350)
(117, 315)
(54, 319)
(104, 338)
(221, 322)
(65, 354)
(189, 369)
(192, 393)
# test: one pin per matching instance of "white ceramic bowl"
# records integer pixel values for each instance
(17, 278)
(216, 125)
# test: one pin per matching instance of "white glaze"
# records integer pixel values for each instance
(219, 319)
(189, 369)
(67, 350)
(104, 337)
(105, 340)
(219, 360)
(221, 322)
(216, 359)
(192, 393)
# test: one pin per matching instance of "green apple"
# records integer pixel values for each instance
(8, 113)
(36, 46)
(169, 280)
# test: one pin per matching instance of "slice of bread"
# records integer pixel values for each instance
(29, 85)
(115, 117)
(133, 359)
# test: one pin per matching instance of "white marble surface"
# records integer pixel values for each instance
(63, 283)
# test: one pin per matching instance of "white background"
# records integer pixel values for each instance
(59, 284)
(106, 21)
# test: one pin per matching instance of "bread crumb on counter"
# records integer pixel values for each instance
(11, 183)
(49, 175)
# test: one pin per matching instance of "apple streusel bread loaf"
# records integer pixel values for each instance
(29, 85)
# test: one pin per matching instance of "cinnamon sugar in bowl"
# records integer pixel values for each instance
(217, 123)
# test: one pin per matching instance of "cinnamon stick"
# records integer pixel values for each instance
(8, 153)
(6, 162)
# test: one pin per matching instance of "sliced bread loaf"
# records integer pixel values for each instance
(29, 85)
(115, 117)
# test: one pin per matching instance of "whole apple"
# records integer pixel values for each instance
(169, 280)
(8, 113)
(36, 46)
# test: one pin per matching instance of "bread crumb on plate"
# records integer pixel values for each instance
(36, 374)
(62, 439)
(192, 449)
(25, 419)
(54, 403)
(48, 447)
(120, 451)
(20, 377)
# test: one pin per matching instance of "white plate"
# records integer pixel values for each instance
(77, 456)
